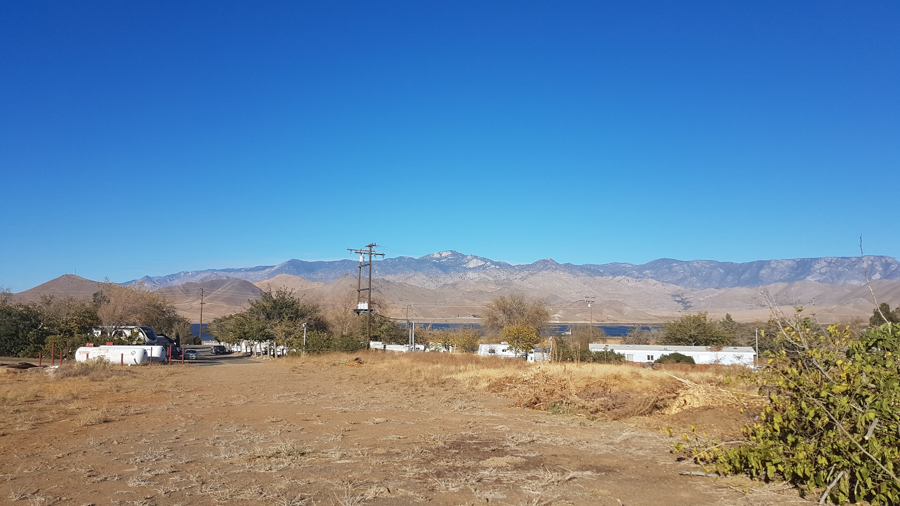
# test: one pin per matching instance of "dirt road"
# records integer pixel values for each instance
(291, 432)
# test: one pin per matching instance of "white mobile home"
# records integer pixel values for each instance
(728, 355)
(498, 350)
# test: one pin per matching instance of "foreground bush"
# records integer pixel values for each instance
(834, 419)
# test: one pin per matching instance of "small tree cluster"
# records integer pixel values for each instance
(27, 329)
(883, 314)
(119, 306)
(520, 338)
(697, 330)
(515, 310)
(280, 316)
(464, 339)
(565, 350)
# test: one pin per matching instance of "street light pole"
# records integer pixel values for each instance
(590, 301)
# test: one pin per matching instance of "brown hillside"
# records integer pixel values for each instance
(618, 299)
(220, 297)
(288, 281)
(67, 285)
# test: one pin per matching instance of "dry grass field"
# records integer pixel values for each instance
(368, 428)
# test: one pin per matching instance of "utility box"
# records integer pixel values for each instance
(362, 308)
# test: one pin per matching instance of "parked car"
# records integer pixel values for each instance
(219, 350)
(190, 354)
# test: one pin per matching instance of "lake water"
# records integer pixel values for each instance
(610, 330)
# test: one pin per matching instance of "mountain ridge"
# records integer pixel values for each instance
(446, 267)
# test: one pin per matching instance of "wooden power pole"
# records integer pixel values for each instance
(200, 332)
(359, 289)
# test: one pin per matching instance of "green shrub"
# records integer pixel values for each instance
(607, 357)
(834, 419)
(675, 358)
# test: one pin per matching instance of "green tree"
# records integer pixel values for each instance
(515, 310)
(21, 329)
(520, 338)
(386, 330)
(273, 308)
(465, 339)
(695, 330)
(68, 316)
(883, 314)
(731, 328)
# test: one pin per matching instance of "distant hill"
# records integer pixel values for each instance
(288, 281)
(448, 267)
(67, 285)
(220, 297)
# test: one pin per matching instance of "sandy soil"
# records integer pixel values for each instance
(294, 431)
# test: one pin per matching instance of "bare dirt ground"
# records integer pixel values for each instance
(332, 430)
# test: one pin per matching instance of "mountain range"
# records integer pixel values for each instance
(447, 267)
(451, 286)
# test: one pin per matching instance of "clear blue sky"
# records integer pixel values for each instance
(145, 138)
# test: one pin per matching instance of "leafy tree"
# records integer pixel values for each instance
(465, 339)
(582, 336)
(695, 330)
(731, 328)
(515, 310)
(883, 314)
(279, 316)
(28, 329)
(833, 422)
(119, 306)
(235, 328)
(21, 329)
(281, 305)
(569, 351)
(639, 335)
(520, 338)
(67, 316)
(387, 330)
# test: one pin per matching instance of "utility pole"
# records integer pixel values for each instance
(360, 289)
(200, 332)
(756, 359)
(590, 301)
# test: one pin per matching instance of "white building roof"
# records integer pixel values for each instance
(668, 347)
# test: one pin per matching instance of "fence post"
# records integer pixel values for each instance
(122, 359)
(52, 353)
(39, 358)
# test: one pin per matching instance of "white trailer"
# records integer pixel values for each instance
(499, 350)
(728, 355)
(128, 355)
